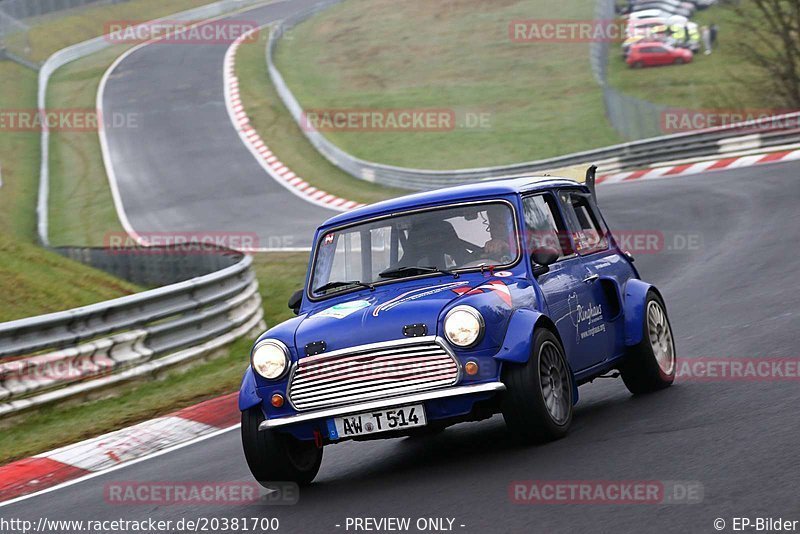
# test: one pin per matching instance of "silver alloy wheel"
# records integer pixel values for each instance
(660, 337)
(555, 382)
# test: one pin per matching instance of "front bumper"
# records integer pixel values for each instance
(491, 387)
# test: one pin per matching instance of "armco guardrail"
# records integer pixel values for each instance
(69, 354)
(80, 50)
(626, 156)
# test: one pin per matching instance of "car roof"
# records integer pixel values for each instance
(474, 191)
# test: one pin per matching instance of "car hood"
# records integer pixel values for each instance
(367, 316)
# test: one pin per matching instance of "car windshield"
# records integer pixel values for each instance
(441, 240)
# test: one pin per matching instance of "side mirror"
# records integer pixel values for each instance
(295, 300)
(542, 259)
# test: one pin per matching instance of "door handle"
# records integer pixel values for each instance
(591, 278)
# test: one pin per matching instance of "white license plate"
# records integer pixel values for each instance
(380, 421)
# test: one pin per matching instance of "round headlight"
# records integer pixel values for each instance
(463, 326)
(270, 359)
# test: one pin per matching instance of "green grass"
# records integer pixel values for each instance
(19, 156)
(540, 98)
(81, 207)
(34, 281)
(280, 274)
(279, 130)
(54, 32)
(720, 80)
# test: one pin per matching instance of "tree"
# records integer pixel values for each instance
(768, 37)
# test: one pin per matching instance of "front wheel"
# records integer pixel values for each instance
(537, 404)
(277, 457)
(650, 365)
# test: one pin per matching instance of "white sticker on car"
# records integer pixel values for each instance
(343, 309)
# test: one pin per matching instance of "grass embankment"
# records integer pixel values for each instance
(35, 281)
(279, 130)
(722, 80)
(540, 98)
(280, 275)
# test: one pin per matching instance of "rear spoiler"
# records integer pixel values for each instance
(591, 175)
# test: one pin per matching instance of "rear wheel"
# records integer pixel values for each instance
(537, 404)
(277, 457)
(638, 65)
(650, 365)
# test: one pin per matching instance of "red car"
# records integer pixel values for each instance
(654, 54)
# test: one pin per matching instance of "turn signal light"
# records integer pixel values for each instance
(277, 400)
(471, 368)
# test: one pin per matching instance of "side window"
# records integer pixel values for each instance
(543, 225)
(588, 232)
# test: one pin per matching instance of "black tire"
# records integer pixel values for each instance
(647, 367)
(277, 457)
(678, 61)
(638, 65)
(527, 396)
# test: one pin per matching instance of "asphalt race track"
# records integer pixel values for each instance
(733, 295)
(183, 168)
(733, 292)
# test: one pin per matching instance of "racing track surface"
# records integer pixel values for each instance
(184, 168)
(736, 295)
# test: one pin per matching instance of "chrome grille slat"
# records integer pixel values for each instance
(431, 371)
(337, 367)
(370, 366)
(360, 397)
(371, 372)
(323, 360)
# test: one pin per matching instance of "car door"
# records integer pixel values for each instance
(661, 55)
(567, 293)
(606, 272)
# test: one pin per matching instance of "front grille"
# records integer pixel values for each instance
(371, 372)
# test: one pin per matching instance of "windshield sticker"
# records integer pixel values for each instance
(328, 239)
(497, 287)
(585, 318)
(415, 294)
(343, 309)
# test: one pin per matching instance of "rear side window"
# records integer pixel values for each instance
(588, 231)
(544, 227)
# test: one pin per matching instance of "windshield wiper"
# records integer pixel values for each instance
(337, 285)
(411, 270)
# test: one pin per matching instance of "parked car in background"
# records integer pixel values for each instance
(655, 54)
(673, 10)
(647, 14)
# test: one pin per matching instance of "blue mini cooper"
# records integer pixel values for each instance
(449, 306)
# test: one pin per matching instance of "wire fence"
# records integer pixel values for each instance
(633, 118)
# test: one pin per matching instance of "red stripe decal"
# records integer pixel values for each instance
(775, 156)
(220, 412)
(34, 474)
(636, 175)
(721, 164)
(679, 169)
